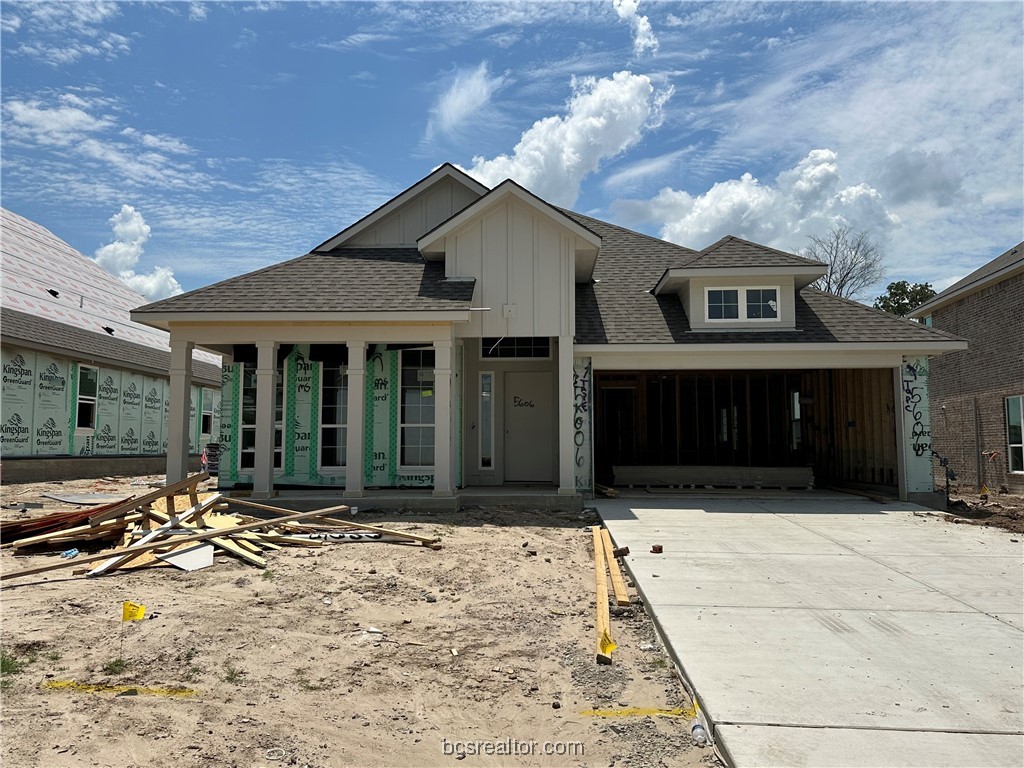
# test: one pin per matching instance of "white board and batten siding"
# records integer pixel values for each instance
(412, 220)
(523, 262)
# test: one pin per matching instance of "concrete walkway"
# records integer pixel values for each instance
(829, 630)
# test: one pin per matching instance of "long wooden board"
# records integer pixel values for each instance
(362, 526)
(605, 644)
(618, 584)
(69, 533)
(168, 490)
(203, 536)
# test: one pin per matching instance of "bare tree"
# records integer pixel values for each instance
(854, 261)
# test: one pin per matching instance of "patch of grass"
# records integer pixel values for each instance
(304, 683)
(10, 664)
(53, 656)
(268, 575)
(233, 675)
(659, 662)
(192, 674)
(115, 667)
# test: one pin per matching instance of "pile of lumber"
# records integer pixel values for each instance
(606, 566)
(176, 526)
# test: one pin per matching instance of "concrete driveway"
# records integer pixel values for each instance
(830, 630)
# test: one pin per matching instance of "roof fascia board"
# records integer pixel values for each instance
(941, 300)
(675, 276)
(445, 171)
(84, 357)
(163, 320)
(433, 241)
(906, 348)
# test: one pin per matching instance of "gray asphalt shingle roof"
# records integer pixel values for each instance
(33, 331)
(344, 280)
(734, 252)
(1013, 256)
(618, 308)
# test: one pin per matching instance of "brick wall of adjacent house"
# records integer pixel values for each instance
(969, 388)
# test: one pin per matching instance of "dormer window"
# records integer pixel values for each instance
(742, 304)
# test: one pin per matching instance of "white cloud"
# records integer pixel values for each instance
(602, 119)
(643, 36)
(61, 33)
(158, 141)
(31, 121)
(197, 12)
(469, 92)
(805, 200)
(120, 256)
(357, 40)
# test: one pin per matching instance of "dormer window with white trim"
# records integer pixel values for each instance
(758, 304)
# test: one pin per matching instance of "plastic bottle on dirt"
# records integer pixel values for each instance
(700, 736)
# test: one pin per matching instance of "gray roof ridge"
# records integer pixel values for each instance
(881, 312)
(659, 240)
(980, 273)
(723, 240)
(155, 306)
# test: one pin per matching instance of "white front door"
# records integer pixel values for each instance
(529, 428)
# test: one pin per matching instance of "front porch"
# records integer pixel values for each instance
(380, 411)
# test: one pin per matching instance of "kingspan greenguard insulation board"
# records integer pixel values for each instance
(300, 462)
(41, 400)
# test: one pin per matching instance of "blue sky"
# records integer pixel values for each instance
(240, 134)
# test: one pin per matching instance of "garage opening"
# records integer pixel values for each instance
(683, 427)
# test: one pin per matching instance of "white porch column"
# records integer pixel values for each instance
(356, 419)
(443, 458)
(566, 468)
(901, 438)
(177, 424)
(266, 371)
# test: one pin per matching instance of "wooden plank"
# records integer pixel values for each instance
(106, 528)
(203, 536)
(149, 498)
(159, 533)
(283, 511)
(605, 645)
(618, 584)
(242, 550)
(361, 526)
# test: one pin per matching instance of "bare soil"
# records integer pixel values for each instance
(288, 667)
(996, 510)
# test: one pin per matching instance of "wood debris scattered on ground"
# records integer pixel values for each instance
(179, 527)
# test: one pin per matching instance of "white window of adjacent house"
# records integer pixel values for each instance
(1015, 432)
(333, 416)
(742, 304)
(417, 409)
(206, 420)
(87, 383)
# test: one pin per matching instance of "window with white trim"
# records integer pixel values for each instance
(755, 304)
(1015, 432)
(487, 420)
(247, 454)
(417, 408)
(206, 418)
(88, 378)
(333, 416)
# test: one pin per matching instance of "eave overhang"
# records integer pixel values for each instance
(164, 320)
(676, 278)
(945, 298)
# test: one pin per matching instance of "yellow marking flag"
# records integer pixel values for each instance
(132, 611)
(607, 644)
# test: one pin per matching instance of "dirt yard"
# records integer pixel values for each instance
(340, 655)
(997, 510)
